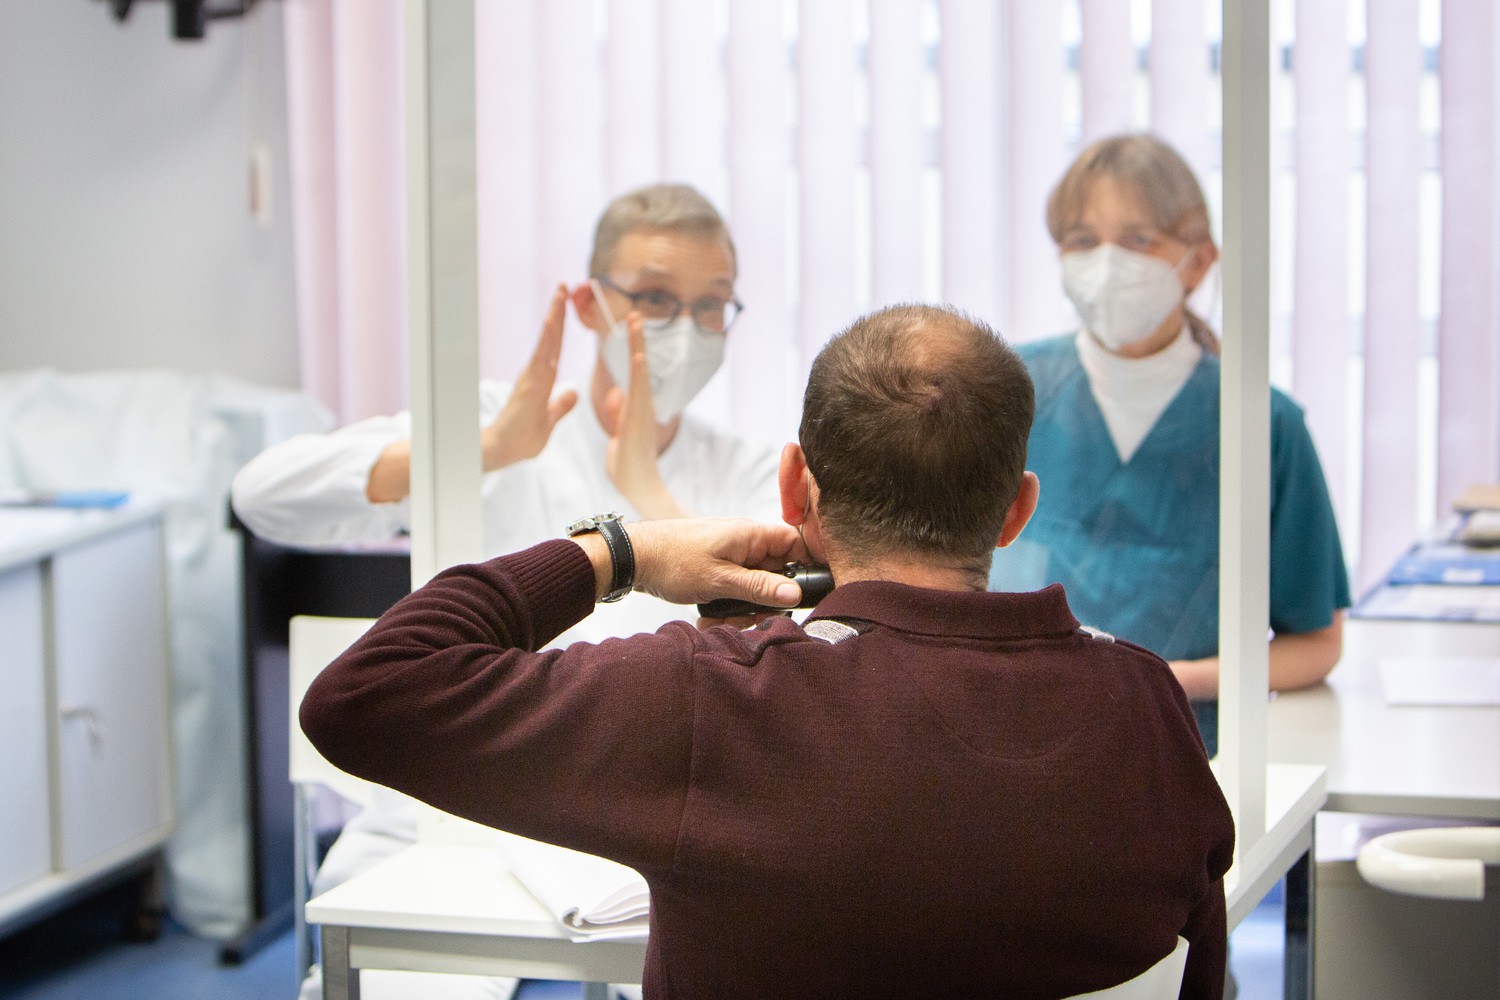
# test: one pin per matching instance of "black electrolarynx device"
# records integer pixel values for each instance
(815, 581)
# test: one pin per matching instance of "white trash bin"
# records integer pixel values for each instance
(1434, 863)
(1415, 916)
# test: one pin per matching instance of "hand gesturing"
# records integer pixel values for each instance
(630, 419)
(524, 424)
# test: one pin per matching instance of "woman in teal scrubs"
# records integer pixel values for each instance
(1126, 440)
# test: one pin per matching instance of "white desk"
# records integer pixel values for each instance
(1294, 794)
(1393, 760)
(457, 908)
(1396, 760)
(439, 907)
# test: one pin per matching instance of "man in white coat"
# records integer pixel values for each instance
(660, 297)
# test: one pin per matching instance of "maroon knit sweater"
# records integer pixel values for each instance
(971, 798)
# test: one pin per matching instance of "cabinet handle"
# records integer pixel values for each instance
(90, 718)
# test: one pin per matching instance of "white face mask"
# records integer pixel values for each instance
(680, 356)
(1121, 295)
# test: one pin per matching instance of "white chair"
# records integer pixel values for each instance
(314, 643)
(1429, 926)
(1163, 981)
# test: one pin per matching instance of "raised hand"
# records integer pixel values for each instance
(634, 443)
(521, 429)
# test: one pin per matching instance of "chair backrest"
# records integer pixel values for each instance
(1163, 981)
(314, 643)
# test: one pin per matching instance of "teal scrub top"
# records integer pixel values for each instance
(1136, 545)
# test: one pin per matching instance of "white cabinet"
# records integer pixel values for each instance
(84, 719)
(23, 731)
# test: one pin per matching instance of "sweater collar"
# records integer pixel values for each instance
(971, 614)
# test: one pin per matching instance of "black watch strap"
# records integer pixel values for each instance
(611, 528)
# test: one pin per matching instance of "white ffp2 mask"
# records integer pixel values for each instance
(680, 356)
(1121, 295)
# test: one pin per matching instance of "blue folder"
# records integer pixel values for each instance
(1454, 565)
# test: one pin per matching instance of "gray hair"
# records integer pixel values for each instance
(657, 206)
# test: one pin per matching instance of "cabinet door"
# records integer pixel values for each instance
(111, 647)
(25, 824)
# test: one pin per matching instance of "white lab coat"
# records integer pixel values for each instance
(310, 491)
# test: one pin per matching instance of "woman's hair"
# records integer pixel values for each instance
(1160, 179)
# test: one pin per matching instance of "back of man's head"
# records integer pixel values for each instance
(914, 425)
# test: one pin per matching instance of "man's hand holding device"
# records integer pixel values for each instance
(757, 566)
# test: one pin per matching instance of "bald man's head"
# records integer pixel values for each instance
(914, 425)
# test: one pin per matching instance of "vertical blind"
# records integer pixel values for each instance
(873, 151)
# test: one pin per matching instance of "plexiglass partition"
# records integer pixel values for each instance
(440, 89)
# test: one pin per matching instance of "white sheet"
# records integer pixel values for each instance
(594, 898)
(1455, 681)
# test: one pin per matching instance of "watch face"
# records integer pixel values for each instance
(592, 522)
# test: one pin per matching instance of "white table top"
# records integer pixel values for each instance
(1294, 794)
(456, 907)
(1397, 760)
(31, 533)
(457, 888)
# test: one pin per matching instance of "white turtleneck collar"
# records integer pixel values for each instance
(1132, 393)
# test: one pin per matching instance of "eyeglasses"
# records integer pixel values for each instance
(657, 306)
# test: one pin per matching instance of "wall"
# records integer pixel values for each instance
(126, 238)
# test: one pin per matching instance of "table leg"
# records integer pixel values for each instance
(340, 982)
(595, 991)
(304, 867)
(1297, 970)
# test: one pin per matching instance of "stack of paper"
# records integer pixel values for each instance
(1480, 528)
(594, 898)
(1480, 505)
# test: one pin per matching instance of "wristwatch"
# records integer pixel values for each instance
(621, 555)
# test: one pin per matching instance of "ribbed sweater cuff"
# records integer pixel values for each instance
(557, 582)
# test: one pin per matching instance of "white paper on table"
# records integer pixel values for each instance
(1441, 680)
(594, 898)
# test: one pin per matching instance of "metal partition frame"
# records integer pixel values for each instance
(443, 286)
(1245, 421)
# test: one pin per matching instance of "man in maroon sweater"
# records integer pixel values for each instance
(927, 791)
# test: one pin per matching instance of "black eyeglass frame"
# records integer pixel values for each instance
(635, 297)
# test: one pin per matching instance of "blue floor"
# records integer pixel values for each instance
(80, 954)
(1256, 950)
